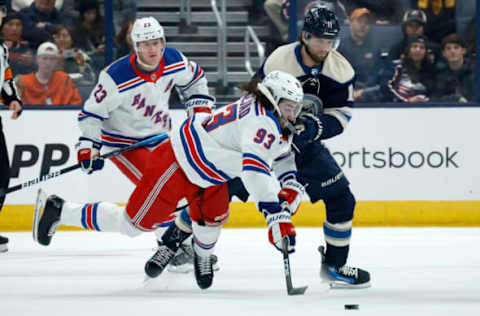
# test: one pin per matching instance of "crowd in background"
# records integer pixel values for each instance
(57, 47)
(401, 50)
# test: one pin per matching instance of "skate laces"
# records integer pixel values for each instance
(162, 256)
(349, 271)
(204, 265)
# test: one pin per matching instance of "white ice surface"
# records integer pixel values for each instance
(415, 271)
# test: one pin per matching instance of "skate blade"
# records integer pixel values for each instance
(39, 206)
(184, 269)
(338, 285)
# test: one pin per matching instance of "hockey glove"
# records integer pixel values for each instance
(291, 195)
(88, 154)
(199, 103)
(311, 130)
(279, 224)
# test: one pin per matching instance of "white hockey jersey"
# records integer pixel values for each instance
(242, 140)
(128, 105)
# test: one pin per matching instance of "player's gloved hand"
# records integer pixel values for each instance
(310, 130)
(279, 224)
(88, 154)
(291, 194)
(199, 103)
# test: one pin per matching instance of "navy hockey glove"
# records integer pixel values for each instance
(88, 154)
(279, 224)
(310, 130)
(291, 195)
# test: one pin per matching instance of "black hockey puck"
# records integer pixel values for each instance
(351, 306)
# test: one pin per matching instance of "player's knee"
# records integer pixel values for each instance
(341, 207)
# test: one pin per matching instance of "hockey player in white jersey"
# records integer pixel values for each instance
(130, 103)
(244, 139)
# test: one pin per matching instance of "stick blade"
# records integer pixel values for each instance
(297, 290)
(39, 206)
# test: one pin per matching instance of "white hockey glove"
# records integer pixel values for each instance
(199, 103)
(279, 224)
(291, 195)
(88, 154)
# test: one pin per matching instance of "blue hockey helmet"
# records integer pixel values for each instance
(321, 22)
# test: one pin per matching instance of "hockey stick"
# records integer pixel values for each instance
(57, 173)
(288, 276)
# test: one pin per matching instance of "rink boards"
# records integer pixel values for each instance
(407, 167)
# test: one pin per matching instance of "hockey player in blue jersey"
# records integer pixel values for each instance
(327, 79)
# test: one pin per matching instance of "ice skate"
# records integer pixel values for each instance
(46, 217)
(343, 277)
(203, 270)
(183, 260)
(160, 259)
(167, 248)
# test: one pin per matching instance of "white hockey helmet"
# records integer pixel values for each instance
(145, 29)
(279, 85)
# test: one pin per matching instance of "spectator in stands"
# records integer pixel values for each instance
(89, 33)
(440, 16)
(90, 28)
(382, 11)
(123, 40)
(40, 20)
(414, 22)
(20, 55)
(414, 77)
(47, 86)
(361, 50)
(72, 59)
(456, 77)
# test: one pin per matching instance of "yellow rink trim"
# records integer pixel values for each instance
(367, 213)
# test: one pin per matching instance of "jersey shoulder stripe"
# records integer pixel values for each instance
(196, 157)
(121, 71)
(174, 61)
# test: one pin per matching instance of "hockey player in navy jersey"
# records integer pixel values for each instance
(327, 79)
(246, 139)
(130, 103)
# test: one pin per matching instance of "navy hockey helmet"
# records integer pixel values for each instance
(322, 23)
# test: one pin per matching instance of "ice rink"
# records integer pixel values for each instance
(415, 271)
